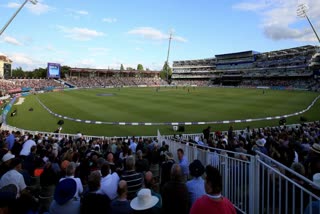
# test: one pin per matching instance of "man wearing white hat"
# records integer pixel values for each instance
(6, 160)
(144, 202)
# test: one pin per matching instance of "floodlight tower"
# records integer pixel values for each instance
(14, 15)
(302, 12)
(167, 62)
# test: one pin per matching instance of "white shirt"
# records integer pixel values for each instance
(109, 185)
(26, 147)
(79, 185)
(13, 177)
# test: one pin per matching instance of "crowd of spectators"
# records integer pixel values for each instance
(88, 82)
(55, 174)
(294, 83)
(28, 83)
(190, 82)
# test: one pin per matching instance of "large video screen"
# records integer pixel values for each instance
(53, 70)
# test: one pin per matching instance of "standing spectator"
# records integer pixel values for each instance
(196, 185)
(149, 183)
(206, 133)
(121, 205)
(26, 147)
(184, 164)
(93, 202)
(213, 200)
(64, 200)
(133, 178)
(175, 193)
(70, 171)
(166, 168)
(109, 182)
(10, 139)
(142, 164)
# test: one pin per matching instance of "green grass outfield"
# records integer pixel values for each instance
(167, 105)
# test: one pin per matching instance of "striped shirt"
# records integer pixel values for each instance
(134, 182)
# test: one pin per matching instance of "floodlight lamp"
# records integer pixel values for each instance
(34, 1)
(302, 10)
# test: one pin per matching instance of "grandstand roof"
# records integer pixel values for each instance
(5, 59)
(236, 54)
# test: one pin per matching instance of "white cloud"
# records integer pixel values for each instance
(250, 6)
(154, 34)
(109, 20)
(81, 34)
(13, 5)
(37, 9)
(12, 40)
(98, 51)
(81, 12)
(77, 14)
(279, 18)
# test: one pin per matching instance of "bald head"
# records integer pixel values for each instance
(122, 189)
(148, 180)
(110, 158)
(176, 172)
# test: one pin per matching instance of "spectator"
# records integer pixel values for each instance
(184, 164)
(70, 171)
(109, 182)
(93, 202)
(314, 206)
(144, 202)
(133, 178)
(213, 200)
(149, 183)
(206, 133)
(13, 176)
(196, 185)
(121, 205)
(142, 164)
(5, 165)
(26, 146)
(166, 168)
(175, 193)
(64, 200)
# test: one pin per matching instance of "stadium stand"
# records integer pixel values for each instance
(287, 68)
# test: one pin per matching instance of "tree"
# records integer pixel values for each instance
(166, 70)
(129, 69)
(18, 72)
(40, 73)
(121, 67)
(64, 70)
(140, 67)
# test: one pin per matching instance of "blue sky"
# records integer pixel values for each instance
(107, 33)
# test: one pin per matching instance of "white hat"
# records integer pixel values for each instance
(7, 157)
(144, 200)
(259, 142)
(316, 181)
